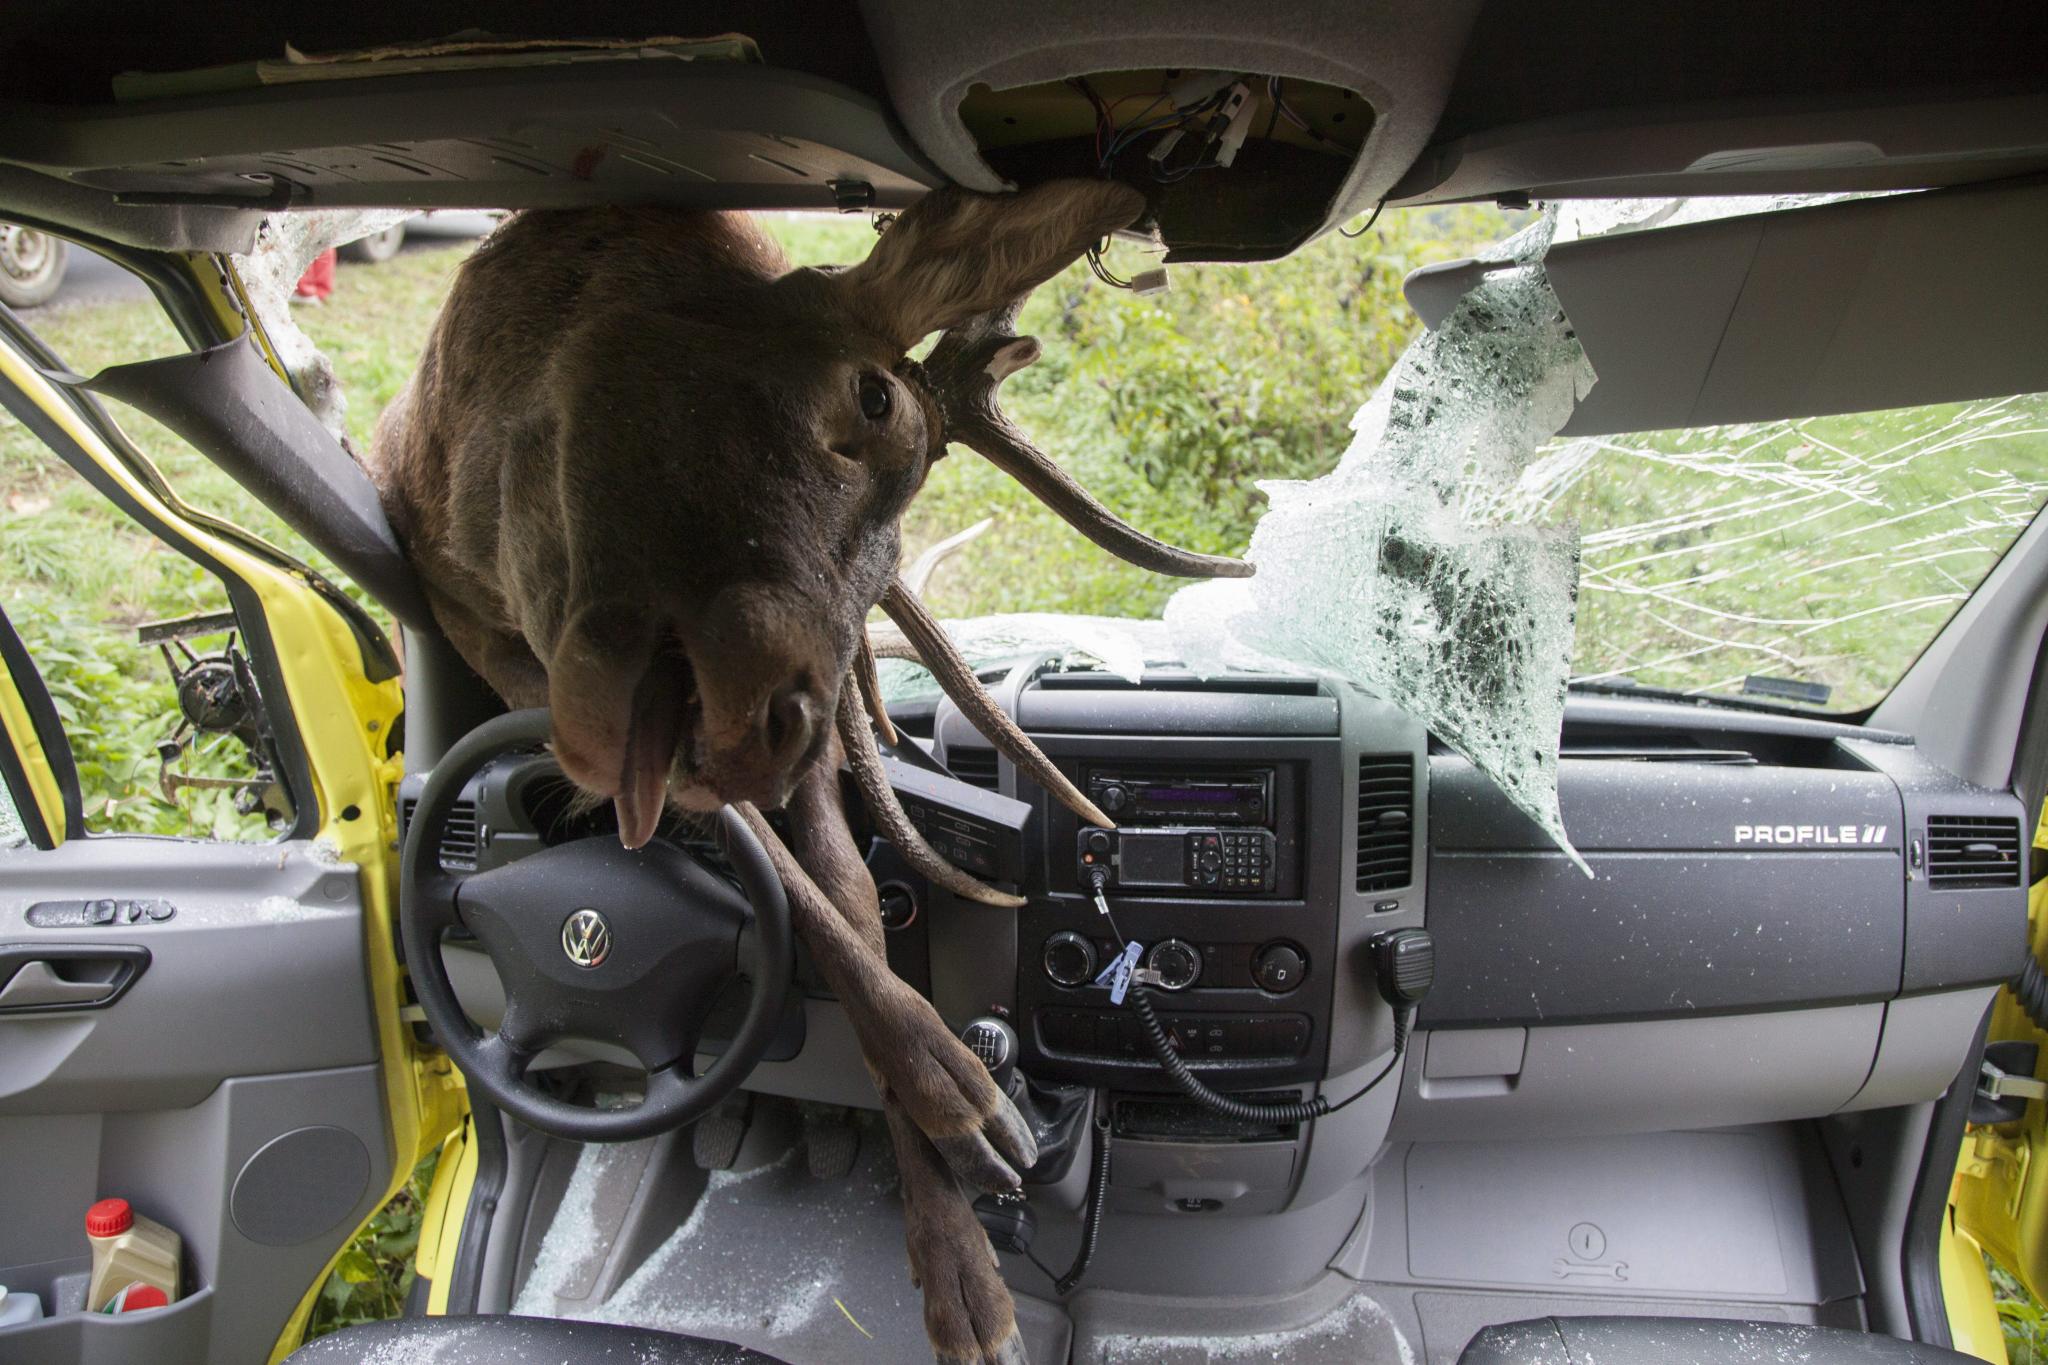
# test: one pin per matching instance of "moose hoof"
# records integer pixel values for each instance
(1010, 1352)
(949, 1095)
(995, 1155)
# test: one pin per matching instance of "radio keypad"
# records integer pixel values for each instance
(1245, 863)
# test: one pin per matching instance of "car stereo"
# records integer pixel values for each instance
(1131, 796)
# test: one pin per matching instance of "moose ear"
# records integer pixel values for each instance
(955, 254)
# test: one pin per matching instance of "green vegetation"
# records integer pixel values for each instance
(375, 1274)
(77, 577)
(2022, 1317)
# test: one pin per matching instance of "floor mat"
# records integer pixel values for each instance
(1358, 1330)
(805, 1269)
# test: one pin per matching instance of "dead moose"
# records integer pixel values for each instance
(651, 476)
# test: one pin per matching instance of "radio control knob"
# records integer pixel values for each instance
(1115, 798)
(1279, 968)
(1069, 959)
(1099, 842)
(1178, 964)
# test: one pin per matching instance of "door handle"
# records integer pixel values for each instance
(37, 984)
(38, 978)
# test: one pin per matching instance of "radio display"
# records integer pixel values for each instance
(1215, 796)
(1151, 859)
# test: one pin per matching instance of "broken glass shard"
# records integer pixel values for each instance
(286, 244)
(1408, 570)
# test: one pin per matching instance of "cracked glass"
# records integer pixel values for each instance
(1467, 565)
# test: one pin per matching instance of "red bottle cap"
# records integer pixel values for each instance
(109, 1218)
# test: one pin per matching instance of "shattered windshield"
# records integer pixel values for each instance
(1824, 552)
(1454, 556)
(1803, 562)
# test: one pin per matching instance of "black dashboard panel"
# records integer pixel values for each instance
(1263, 955)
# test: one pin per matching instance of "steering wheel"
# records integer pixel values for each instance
(594, 941)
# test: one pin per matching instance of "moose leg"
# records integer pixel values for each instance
(940, 1084)
(968, 1313)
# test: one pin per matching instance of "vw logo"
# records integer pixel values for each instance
(586, 938)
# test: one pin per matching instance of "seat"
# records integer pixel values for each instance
(496, 1339)
(1691, 1341)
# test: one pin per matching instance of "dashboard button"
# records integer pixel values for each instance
(1279, 968)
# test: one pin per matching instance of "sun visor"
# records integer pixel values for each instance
(1851, 306)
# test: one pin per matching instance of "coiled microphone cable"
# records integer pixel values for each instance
(1404, 967)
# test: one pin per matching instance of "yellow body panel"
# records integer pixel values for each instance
(441, 1220)
(1966, 1291)
(1999, 1201)
(21, 732)
(342, 719)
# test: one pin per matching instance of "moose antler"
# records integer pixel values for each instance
(869, 775)
(936, 651)
(919, 574)
(869, 681)
(965, 368)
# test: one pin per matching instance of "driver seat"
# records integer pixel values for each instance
(496, 1338)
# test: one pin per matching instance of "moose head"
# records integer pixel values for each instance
(673, 468)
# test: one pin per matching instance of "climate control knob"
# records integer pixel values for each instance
(1178, 964)
(1069, 959)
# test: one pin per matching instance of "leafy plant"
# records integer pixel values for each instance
(371, 1280)
(2022, 1317)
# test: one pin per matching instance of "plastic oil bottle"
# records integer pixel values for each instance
(129, 1249)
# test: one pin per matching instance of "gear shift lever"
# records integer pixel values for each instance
(995, 1043)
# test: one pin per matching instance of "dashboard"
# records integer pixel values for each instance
(1788, 917)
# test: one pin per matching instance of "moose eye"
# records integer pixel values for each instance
(874, 398)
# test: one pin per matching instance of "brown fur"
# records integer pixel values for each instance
(634, 470)
(967, 1309)
(637, 475)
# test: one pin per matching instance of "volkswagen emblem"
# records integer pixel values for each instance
(586, 938)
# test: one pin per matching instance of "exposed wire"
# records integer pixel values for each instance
(1101, 271)
(1377, 210)
(1112, 140)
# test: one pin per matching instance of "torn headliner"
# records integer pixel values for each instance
(1594, 99)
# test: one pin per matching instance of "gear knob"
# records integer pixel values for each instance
(995, 1043)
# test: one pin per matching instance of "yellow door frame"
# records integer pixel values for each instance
(343, 719)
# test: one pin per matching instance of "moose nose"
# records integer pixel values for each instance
(790, 722)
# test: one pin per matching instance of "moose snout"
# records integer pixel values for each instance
(767, 680)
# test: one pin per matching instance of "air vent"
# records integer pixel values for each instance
(458, 843)
(1386, 810)
(973, 765)
(1965, 852)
